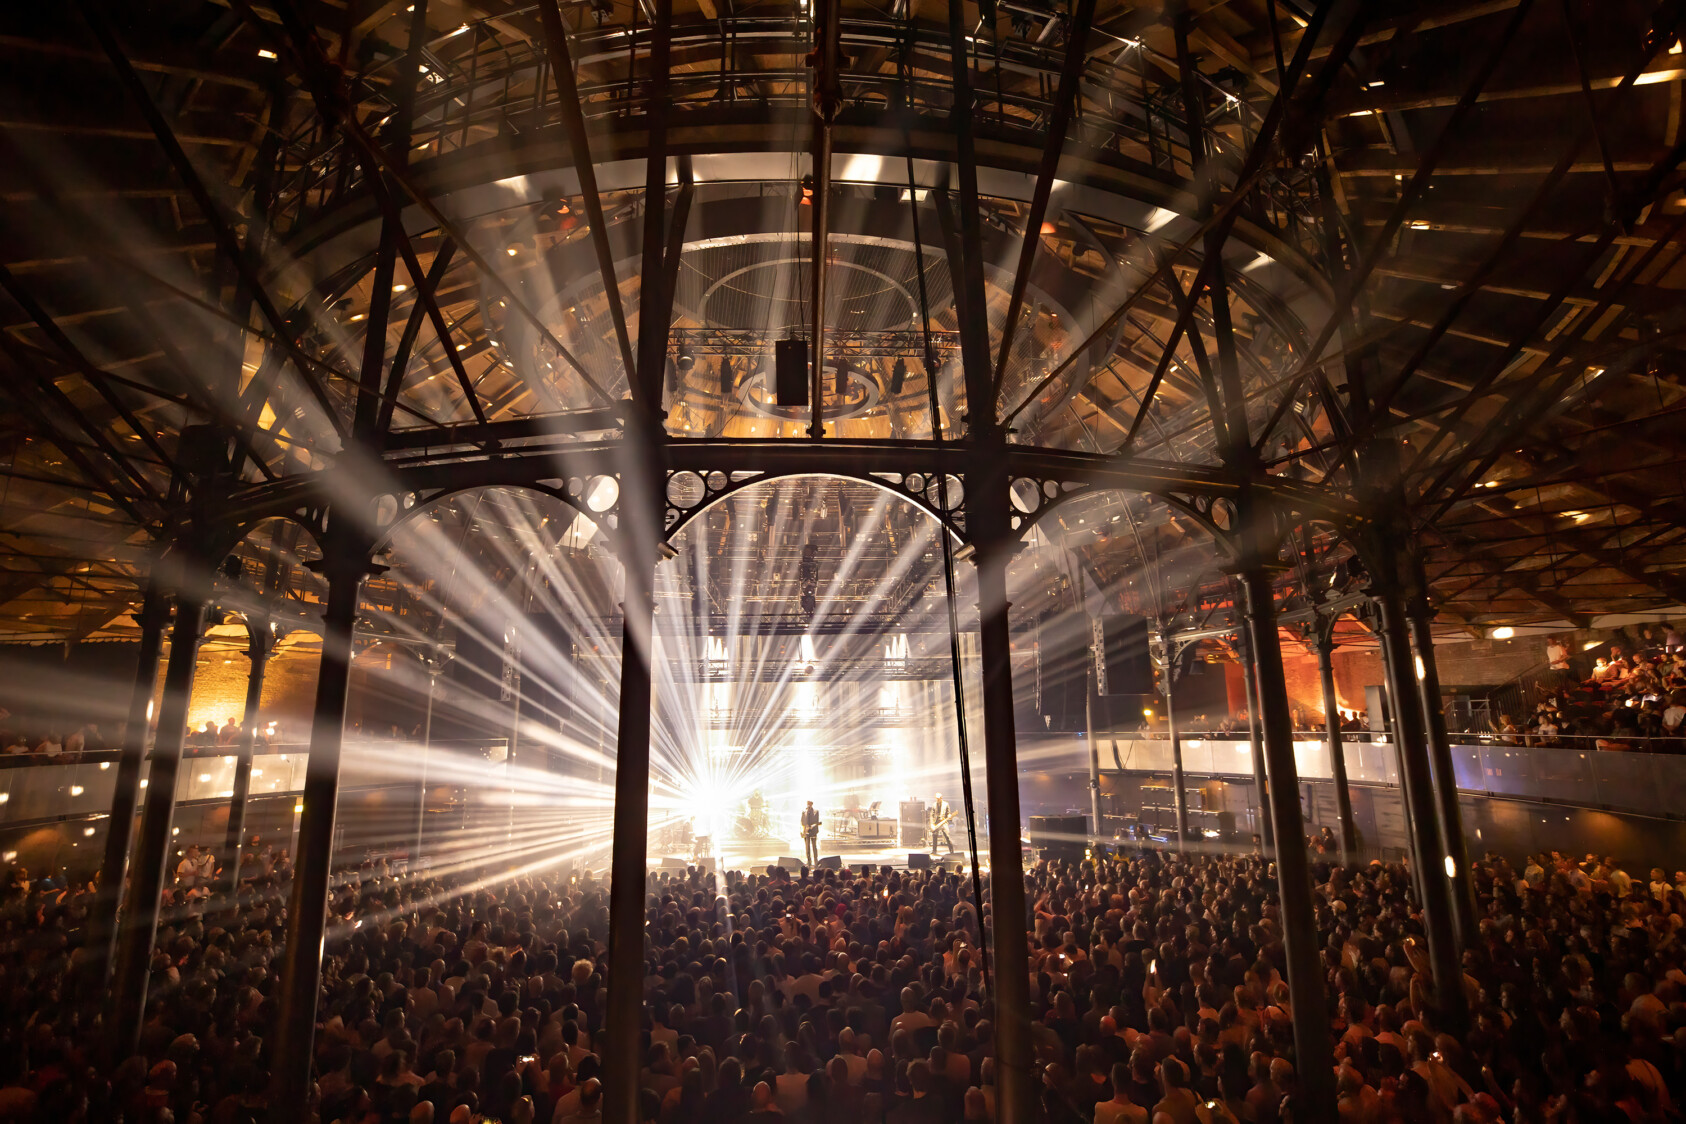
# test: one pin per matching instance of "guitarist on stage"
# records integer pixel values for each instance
(811, 833)
(941, 813)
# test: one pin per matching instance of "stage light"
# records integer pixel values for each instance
(684, 361)
(898, 376)
(1503, 632)
(728, 378)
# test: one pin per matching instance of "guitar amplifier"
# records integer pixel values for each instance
(877, 831)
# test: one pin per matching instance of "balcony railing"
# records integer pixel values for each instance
(1649, 784)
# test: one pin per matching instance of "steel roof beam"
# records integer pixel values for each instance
(241, 257)
(1059, 123)
(573, 122)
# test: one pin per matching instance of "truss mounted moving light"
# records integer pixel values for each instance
(898, 375)
(685, 361)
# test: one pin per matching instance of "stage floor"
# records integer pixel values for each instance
(756, 853)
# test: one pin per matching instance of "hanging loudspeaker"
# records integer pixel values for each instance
(790, 372)
(1129, 667)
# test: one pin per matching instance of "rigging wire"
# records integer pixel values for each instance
(948, 579)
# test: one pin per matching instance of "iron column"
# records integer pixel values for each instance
(345, 562)
(1261, 776)
(1454, 853)
(1094, 756)
(260, 645)
(1179, 794)
(986, 501)
(434, 662)
(1337, 748)
(1420, 807)
(1314, 1057)
(102, 922)
(624, 1016)
(139, 922)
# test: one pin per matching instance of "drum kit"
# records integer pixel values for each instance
(755, 822)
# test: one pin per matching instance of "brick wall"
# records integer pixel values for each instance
(289, 687)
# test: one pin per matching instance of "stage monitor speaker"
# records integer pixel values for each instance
(1129, 665)
(786, 862)
(790, 372)
(673, 866)
(831, 862)
(918, 860)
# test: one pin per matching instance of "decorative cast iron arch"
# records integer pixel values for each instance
(572, 491)
(689, 493)
(1034, 498)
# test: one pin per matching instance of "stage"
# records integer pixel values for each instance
(756, 853)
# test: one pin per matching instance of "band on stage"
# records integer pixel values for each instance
(755, 821)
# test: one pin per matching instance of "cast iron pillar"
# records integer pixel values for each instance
(154, 614)
(1314, 1056)
(986, 522)
(260, 645)
(138, 924)
(1337, 746)
(345, 563)
(1095, 833)
(434, 662)
(1454, 856)
(1420, 807)
(1261, 775)
(628, 863)
(1179, 794)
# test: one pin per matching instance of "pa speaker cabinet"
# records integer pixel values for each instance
(1129, 666)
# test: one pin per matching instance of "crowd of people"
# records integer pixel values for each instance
(1632, 698)
(858, 995)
